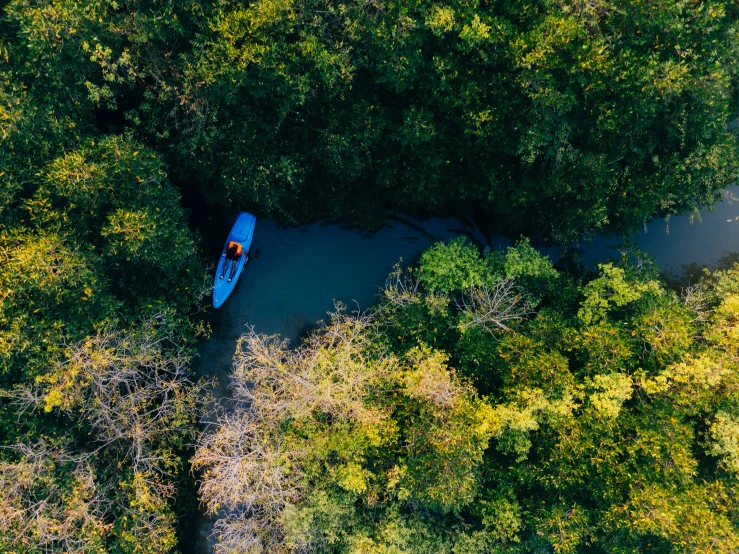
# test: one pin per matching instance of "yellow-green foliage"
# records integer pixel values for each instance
(612, 391)
(612, 289)
(573, 424)
(50, 291)
(377, 428)
(725, 434)
(610, 419)
(51, 502)
(88, 224)
(146, 524)
(558, 117)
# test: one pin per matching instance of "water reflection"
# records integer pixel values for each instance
(682, 240)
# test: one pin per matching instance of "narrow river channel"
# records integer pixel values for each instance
(297, 274)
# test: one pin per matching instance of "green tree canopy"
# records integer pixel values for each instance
(466, 414)
(560, 117)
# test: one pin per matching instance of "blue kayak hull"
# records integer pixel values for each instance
(241, 232)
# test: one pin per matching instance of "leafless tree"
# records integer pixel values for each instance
(401, 287)
(492, 307)
(328, 373)
(50, 502)
(134, 388)
(249, 470)
(693, 298)
(137, 391)
(249, 473)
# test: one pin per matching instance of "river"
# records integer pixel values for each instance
(297, 274)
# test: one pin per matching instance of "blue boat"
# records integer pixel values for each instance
(241, 232)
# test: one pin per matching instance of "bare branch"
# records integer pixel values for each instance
(134, 389)
(696, 302)
(249, 470)
(50, 502)
(327, 374)
(492, 307)
(401, 287)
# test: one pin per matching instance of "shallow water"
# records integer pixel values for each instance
(297, 274)
(682, 240)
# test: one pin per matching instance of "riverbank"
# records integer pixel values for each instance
(296, 274)
(295, 277)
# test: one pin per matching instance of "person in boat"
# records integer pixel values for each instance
(233, 254)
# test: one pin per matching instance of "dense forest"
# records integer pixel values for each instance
(488, 402)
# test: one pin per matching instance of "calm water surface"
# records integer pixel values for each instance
(684, 239)
(296, 275)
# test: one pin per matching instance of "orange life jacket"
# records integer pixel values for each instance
(238, 248)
